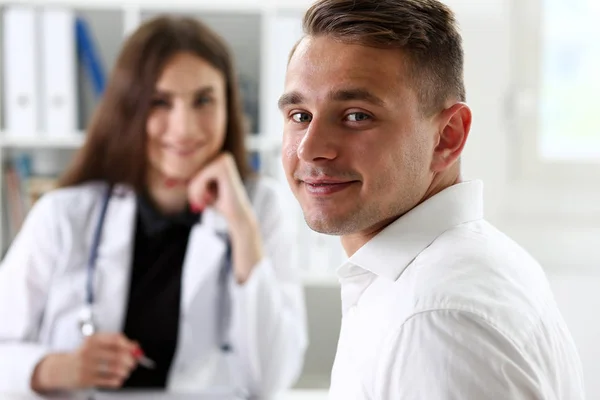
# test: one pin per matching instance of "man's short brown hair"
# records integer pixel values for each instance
(425, 30)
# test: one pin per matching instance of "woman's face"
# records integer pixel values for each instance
(187, 122)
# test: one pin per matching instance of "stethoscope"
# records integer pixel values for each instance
(87, 324)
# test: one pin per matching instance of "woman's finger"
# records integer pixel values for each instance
(121, 357)
(105, 368)
(204, 188)
(109, 383)
(109, 357)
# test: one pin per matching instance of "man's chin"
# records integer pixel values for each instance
(326, 226)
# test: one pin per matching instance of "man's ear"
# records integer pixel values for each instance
(454, 126)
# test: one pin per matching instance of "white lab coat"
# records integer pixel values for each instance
(42, 291)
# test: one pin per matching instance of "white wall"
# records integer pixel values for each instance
(567, 246)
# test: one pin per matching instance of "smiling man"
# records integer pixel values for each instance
(437, 303)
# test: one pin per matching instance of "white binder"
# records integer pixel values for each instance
(20, 76)
(58, 71)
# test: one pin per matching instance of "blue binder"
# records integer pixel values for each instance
(88, 55)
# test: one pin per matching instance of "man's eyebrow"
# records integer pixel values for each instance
(293, 98)
(356, 94)
(288, 99)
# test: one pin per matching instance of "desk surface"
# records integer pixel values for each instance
(128, 396)
(133, 395)
(212, 395)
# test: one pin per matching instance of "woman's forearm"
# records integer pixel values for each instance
(48, 375)
(247, 247)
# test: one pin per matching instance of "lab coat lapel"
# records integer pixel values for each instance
(204, 255)
(115, 254)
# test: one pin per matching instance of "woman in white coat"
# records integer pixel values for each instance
(194, 263)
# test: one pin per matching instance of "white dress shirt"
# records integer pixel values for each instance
(442, 306)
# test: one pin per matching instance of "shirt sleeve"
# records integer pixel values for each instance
(25, 275)
(269, 322)
(453, 355)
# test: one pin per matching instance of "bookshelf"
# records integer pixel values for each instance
(260, 34)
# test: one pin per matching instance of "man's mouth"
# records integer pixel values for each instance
(325, 187)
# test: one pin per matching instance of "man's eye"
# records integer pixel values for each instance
(358, 117)
(301, 117)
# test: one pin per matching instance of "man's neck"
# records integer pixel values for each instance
(441, 182)
(354, 241)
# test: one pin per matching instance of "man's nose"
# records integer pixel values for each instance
(317, 143)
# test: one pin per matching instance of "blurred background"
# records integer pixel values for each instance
(532, 81)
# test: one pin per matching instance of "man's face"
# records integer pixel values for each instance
(357, 150)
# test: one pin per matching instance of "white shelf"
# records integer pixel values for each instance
(41, 141)
(237, 6)
(147, 4)
(254, 142)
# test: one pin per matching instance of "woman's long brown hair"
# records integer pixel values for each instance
(115, 146)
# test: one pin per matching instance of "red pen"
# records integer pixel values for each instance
(144, 361)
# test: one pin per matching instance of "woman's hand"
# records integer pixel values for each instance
(219, 185)
(104, 360)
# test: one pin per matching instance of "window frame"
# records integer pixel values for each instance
(558, 187)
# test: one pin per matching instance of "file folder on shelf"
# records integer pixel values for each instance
(20, 75)
(58, 71)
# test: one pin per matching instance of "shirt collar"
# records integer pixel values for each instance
(394, 248)
(154, 222)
